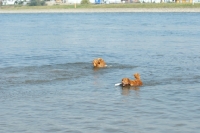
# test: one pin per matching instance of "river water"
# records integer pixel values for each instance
(48, 84)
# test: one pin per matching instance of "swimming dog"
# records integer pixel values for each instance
(136, 82)
(99, 62)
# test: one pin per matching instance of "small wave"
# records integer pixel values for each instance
(121, 66)
(16, 76)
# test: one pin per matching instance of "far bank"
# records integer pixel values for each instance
(78, 8)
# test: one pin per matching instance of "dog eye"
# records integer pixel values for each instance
(98, 62)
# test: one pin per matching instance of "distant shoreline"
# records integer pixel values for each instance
(101, 10)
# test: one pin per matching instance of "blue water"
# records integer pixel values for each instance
(48, 84)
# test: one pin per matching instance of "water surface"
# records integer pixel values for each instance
(48, 84)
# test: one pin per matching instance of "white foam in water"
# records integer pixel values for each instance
(108, 65)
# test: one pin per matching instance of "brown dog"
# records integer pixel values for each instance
(99, 62)
(136, 82)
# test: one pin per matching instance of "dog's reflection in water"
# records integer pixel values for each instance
(127, 89)
(96, 68)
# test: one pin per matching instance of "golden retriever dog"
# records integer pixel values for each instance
(99, 62)
(136, 82)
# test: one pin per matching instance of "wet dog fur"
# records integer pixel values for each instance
(99, 62)
(136, 82)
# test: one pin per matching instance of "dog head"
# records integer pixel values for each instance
(125, 81)
(137, 75)
(99, 62)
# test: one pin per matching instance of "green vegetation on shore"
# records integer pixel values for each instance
(89, 6)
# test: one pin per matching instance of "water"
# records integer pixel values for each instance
(48, 84)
